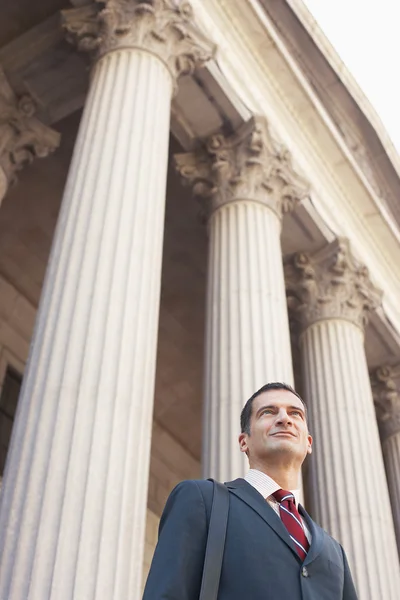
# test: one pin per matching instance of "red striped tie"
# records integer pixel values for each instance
(292, 521)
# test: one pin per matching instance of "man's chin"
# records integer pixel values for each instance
(283, 444)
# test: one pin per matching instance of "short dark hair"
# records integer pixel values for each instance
(245, 416)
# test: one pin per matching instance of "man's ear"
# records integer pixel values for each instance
(309, 447)
(243, 443)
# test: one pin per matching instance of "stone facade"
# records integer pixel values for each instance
(198, 220)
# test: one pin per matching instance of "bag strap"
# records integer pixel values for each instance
(215, 542)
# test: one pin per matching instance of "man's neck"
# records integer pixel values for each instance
(288, 478)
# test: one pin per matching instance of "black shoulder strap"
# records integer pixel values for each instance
(215, 542)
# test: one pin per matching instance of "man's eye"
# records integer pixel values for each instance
(267, 410)
(297, 413)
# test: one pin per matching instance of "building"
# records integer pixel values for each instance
(215, 205)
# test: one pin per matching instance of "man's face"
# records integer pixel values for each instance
(278, 430)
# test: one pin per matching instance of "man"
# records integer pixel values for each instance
(273, 549)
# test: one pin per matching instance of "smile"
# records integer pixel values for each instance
(284, 433)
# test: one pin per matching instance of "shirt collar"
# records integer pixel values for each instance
(266, 486)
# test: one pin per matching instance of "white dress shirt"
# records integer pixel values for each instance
(266, 486)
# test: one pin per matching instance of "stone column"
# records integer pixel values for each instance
(73, 510)
(385, 387)
(245, 183)
(22, 136)
(332, 296)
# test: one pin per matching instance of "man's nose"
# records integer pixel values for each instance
(283, 417)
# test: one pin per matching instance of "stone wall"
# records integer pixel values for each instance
(17, 318)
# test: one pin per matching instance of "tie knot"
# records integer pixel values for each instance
(281, 495)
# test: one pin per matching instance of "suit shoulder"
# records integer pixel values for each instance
(193, 490)
(189, 485)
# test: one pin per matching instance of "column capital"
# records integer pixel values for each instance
(22, 136)
(248, 165)
(330, 284)
(165, 28)
(387, 400)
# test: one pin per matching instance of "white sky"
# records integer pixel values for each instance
(366, 35)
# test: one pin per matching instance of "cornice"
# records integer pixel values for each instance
(349, 82)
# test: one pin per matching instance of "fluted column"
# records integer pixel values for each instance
(245, 183)
(22, 136)
(332, 296)
(385, 387)
(73, 510)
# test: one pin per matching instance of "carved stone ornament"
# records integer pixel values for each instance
(330, 284)
(248, 165)
(387, 400)
(163, 27)
(22, 136)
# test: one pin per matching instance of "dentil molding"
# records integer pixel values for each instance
(330, 284)
(166, 28)
(22, 136)
(248, 165)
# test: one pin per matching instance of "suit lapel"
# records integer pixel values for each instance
(248, 494)
(317, 536)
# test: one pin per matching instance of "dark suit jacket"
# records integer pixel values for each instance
(260, 561)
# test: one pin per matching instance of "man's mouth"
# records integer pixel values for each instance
(285, 433)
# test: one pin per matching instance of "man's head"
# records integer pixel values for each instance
(274, 426)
